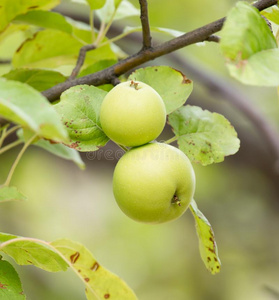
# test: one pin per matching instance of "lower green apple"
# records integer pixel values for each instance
(154, 183)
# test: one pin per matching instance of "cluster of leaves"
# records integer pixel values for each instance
(43, 52)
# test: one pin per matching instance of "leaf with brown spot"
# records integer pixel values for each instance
(10, 11)
(172, 85)
(79, 109)
(207, 243)
(205, 137)
(95, 266)
(97, 284)
(74, 257)
(10, 285)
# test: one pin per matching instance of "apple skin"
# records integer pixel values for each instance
(154, 183)
(132, 114)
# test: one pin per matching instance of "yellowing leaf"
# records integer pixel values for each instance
(26, 251)
(47, 49)
(99, 282)
(207, 243)
(10, 9)
(9, 193)
(51, 49)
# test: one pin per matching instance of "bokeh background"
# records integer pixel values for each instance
(240, 196)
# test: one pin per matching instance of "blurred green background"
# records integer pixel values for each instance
(240, 197)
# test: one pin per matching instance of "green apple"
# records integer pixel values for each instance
(154, 183)
(132, 114)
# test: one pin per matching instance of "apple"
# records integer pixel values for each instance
(132, 114)
(154, 183)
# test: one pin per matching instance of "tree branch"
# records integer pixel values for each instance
(146, 36)
(105, 76)
(81, 57)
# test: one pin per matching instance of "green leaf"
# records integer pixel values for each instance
(62, 151)
(99, 282)
(261, 69)
(23, 105)
(273, 16)
(245, 33)
(27, 251)
(39, 79)
(13, 28)
(207, 243)
(250, 47)
(52, 49)
(96, 4)
(8, 12)
(82, 31)
(11, 39)
(9, 193)
(47, 49)
(123, 9)
(79, 109)
(174, 93)
(10, 285)
(45, 19)
(203, 136)
(107, 11)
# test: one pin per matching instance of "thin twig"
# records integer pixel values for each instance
(3, 136)
(146, 36)
(10, 175)
(5, 61)
(171, 140)
(81, 57)
(102, 77)
(10, 146)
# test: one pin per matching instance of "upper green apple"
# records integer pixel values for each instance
(154, 183)
(132, 114)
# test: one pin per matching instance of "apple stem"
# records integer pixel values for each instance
(176, 200)
(173, 139)
(123, 147)
(134, 85)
